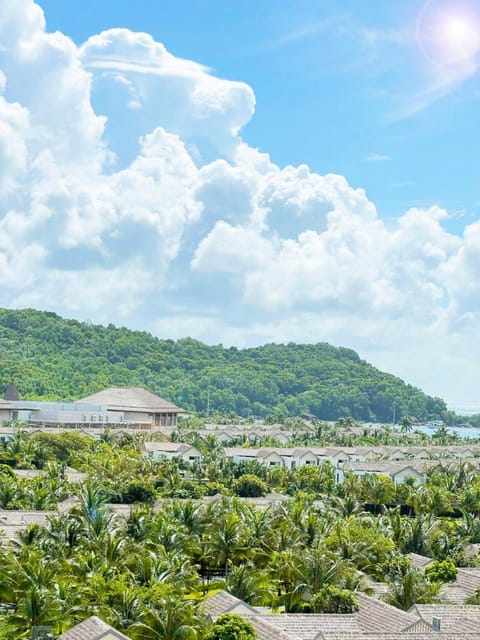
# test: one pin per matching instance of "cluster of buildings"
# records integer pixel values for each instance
(374, 620)
(399, 463)
(228, 433)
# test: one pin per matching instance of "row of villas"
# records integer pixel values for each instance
(404, 463)
(284, 436)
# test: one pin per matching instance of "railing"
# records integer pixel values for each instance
(44, 424)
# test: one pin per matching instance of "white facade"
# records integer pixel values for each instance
(397, 472)
(170, 450)
(5, 415)
(65, 413)
(409, 473)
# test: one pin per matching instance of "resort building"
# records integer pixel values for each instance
(131, 407)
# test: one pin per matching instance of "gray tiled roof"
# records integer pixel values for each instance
(408, 636)
(375, 616)
(131, 399)
(375, 619)
(453, 618)
(418, 561)
(75, 476)
(240, 451)
(467, 582)
(92, 629)
(268, 631)
(167, 447)
(222, 602)
(308, 626)
(19, 518)
(29, 474)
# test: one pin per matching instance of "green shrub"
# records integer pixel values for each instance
(231, 626)
(442, 571)
(250, 486)
(331, 599)
(137, 491)
(7, 470)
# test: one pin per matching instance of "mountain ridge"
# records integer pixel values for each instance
(50, 357)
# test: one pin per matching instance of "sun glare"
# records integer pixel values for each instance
(460, 37)
(447, 36)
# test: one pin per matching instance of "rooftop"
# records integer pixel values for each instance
(222, 602)
(93, 629)
(131, 399)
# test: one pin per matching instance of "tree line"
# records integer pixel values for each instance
(49, 357)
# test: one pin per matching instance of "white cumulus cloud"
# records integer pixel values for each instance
(127, 193)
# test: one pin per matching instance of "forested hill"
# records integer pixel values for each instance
(52, 358)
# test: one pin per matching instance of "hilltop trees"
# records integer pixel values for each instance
(52, 358)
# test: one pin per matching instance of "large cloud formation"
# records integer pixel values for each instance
(128, 195)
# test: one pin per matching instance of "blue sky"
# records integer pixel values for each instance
(250, 172)
(332, 81)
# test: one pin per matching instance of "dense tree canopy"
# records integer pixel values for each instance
(52, 358)
(147, 569)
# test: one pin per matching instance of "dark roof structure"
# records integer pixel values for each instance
(11, 392)
(131, 399)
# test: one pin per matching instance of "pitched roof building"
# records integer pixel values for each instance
(224, 602)
(157, 450)
(92, 629)
(375, 620)
(137, 405)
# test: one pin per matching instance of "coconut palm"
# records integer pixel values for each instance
(412, 588)
(417, 536)
(249, 584)
(36, 606)
(227, 539)
(168, 619)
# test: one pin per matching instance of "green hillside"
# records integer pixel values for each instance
(52, 358)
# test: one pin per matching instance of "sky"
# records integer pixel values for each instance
(250, 172)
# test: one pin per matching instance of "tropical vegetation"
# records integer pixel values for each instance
(147, 568)
(49, 357)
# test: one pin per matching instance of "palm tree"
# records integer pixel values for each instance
(348, 506)
(284, 571)
(432, 499)
(320, 567)
(125, 611)
(168, 619)
(139, 524)
(248, 584)
(260, 535)
(150, 567)
(417, 536)
(441, 434)
(36, 606)
(406, 425)
(412, 588)
(227, 539)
